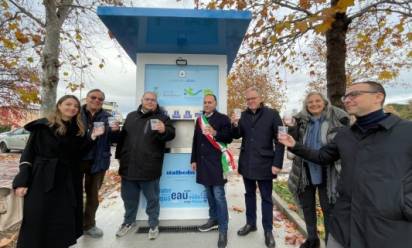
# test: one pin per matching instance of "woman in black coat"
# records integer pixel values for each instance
(50, 180)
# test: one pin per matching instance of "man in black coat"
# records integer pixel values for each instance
(140, 150)
(96, 162)
(374, 207)
(206, 161)
(260, 160)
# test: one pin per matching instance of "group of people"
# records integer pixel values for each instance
(361, 171)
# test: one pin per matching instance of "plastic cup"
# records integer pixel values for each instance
(153, 124)
(205, 130)
(112, 121)
(238, 112)
(99, 125)
(282, 130)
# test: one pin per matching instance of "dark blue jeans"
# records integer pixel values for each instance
(265, 188)
(130, 192)
(218, 206)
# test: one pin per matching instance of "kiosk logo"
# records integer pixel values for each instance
(189, 92)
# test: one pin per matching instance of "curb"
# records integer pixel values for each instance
(292, 216)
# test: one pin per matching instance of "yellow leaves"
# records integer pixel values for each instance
(4, 4)
(409, 35)
(342, 5)
(264, 12)
(364, 38)
(211, 5)
(36, 39)
(305, 4)
(78, 36)
(28, 95)
(22, 38)
(410, 54)
(13, 26)
(259, 23)
(8, 44)
(380, 42)
(279, 28)
(30, 59)
(386, 75)
(400, 27)
(325, 26)
(302, 26)
(273, 39)
(241, 4)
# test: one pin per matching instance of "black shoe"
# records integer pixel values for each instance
(246, 229)
(269, 240)
(311, 243)
(210, 225)
(222, 242)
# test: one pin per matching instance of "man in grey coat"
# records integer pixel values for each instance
(374, 207)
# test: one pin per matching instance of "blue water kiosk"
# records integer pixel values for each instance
(181, 54)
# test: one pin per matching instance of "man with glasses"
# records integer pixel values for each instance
(97, 161)
(261, 158)
(374, 207)
(140, 151)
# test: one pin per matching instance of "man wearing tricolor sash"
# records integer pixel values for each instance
(212, 161)
(260, 159)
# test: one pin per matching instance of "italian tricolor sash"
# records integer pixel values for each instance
(227, 160)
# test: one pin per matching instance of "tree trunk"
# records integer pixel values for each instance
(55, 16)
(50, 61)
(336, 58)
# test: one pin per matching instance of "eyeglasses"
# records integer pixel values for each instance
(98, 98)
(251, 98)
(149, 99)
(356, 93)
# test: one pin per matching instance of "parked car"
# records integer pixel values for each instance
(14, 140)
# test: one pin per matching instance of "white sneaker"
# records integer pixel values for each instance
(124, 229)
(153, 233)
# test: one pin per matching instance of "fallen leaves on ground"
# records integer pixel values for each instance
(293, 207)
(278, 216)
(111, 184)
(237, 209)
(8, 241)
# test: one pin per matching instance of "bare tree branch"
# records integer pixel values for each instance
(28, 14)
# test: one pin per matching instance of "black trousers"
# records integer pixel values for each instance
(265, 188)
(308, 202)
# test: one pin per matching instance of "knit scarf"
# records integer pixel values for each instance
(313, 140)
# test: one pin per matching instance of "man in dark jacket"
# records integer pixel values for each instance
(374, 207)
(140, 151)
(97, 161)
(259, 160)
(211, 128)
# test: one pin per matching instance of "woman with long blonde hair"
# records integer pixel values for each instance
(50, 180)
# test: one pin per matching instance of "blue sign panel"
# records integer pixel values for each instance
(182, 85)
(178, 187)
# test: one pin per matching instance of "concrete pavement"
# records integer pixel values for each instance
(110, 215)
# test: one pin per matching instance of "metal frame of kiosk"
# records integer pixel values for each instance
(180, 196)
(181, 54)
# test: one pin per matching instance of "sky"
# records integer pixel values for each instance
(118, 78)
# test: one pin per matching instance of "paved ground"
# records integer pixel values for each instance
(110, 214)
(109, 217)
